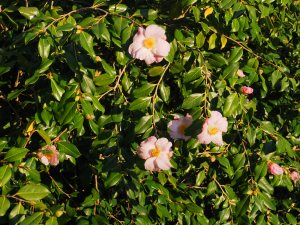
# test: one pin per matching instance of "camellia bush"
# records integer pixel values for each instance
(149, 112)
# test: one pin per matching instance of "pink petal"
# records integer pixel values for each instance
(163, 162)
(163, 145)
(150, 59)
(149, 164)
(217, 139)
(155, 32)
(146, 147)
(133, 48)
(204, 137)
(158, 58)
(222, 124)
(162, 48)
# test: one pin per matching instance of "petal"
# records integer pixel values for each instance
(141, 53)
(163, 162)
(150, 58)
(163, 145)
(44, 160)
(217, 139)
(162, 48)
(204, 137)
(154, 31)
(158, 58)
(222, 124)
(146, 146)
(149, 164)
(133, 48)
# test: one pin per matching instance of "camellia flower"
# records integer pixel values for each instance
(49, 155)
(294, 176)
(149, 44)
(275, 169)
(240, 73)
(177, 127)
(246, 90)
(156, 152)
(212, 129)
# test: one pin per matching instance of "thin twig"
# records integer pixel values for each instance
(58, 186)
(155, 95)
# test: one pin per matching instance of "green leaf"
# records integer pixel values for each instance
(242, 206)
(15, 154)
(33, 192)
(52, 221)
(231, 105)
(68, 113)
(192, 75)
(4, 205)
(192, 101)
(101, 32)
(5, 174)
(113, 179)
(140, 103)
(164, 92)
(29, 12)
(144, 90)
(156, 71)
(57, 91)
(200, 40)
(143, 124)
(86, 41)
(276, 75)
(87, 85)
(44, 47)
(34, 219)
(212, 41)
(16, 212)
(45, 136)
(68, 149)
(200, 177)
(104, 80)
(235, 25)
(235, 55)
(108, 68)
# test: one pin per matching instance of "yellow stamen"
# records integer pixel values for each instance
(149, 43)
(213, 130)
(155, 152)
(181, 129)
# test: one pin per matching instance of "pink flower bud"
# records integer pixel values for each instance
(275, 169)
(246, 90)
(240, 73)
(294, 176)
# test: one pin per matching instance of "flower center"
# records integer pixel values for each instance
(181, 129)
(155, 152)
(149, 43)
(213, 130)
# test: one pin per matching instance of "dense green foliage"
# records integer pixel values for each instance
(66, 79)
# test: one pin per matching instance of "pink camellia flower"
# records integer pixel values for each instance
(246, 90)
(212, 129)
(48, 155)
(240, 73)
(275, 169)
(149, 44)
(177, 127)
(156, 152)
(294, 176)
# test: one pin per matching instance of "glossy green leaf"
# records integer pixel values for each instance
(4, 205)
(33, 192)
(29, 12)
(86, 41)
(5, 174)
(68, 149)
(15, 154)
(34, 219)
